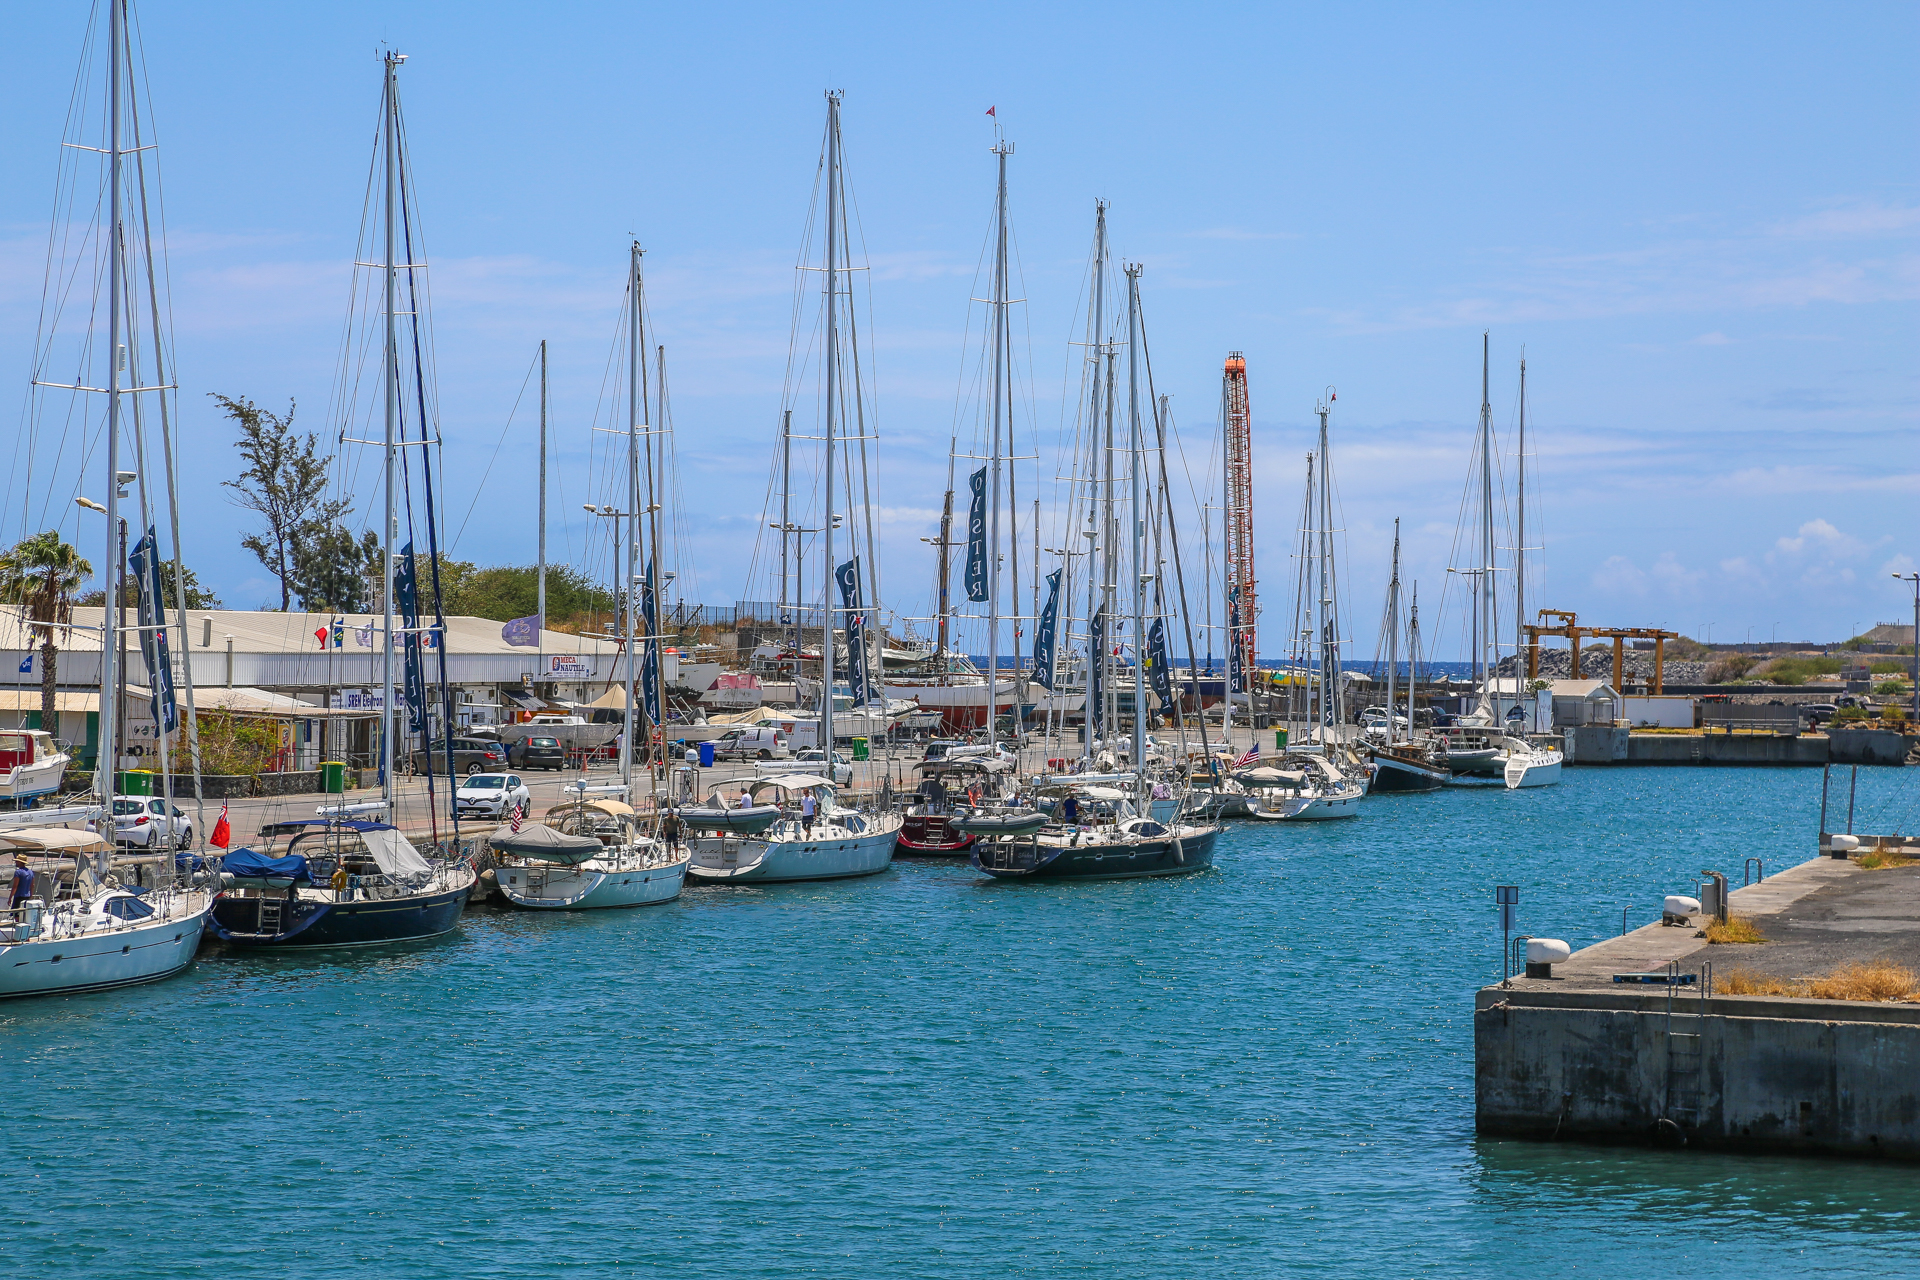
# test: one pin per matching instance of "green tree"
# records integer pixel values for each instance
(284, 482)
(335, 572)
(513, 591)
(198, 597)
(39, 574)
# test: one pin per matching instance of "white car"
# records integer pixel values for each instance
(811, 759)
(492, 795)
(144, 823)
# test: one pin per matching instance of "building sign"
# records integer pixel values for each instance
(361, 699)
(568, 666)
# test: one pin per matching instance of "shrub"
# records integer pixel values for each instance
(1730, 667)
(229, 744)
(1742, 982)
(1873, 980)
(1849, 715)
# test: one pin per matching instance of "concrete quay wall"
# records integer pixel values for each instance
(1816, 1077)
(1605, 744)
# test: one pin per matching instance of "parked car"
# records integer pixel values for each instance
(144, 823)
(751, 744)
(470, 756)
(537, 753)
(492, 795)
(810, 761)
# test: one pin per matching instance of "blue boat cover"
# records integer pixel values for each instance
(254, 865)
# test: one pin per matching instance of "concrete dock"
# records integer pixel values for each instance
(1581, 1055)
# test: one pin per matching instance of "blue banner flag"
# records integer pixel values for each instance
(1159, 670)
(977, 537)
(1236, 668)
(524, 632)
(27, 665)
(406, 597)
(145, 560)
(650, 657)
(1097, 673)
(1043, 635)
(848, 576)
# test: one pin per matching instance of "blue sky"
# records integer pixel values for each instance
(1702, 223)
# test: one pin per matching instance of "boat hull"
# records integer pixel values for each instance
(29, 780)
(312, 925)
(762, 861)
(1534, 773)
(927, 835)
(101, 961)
(1032, 860)
(588, 887)
(1310, 808)
(1393, 776)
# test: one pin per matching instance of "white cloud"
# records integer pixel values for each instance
(1620, 576)
(1856, 220)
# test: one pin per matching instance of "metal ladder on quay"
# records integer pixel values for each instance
(1685, 1029)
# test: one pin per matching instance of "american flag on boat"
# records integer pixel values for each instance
(518, 811)
(1253, 753)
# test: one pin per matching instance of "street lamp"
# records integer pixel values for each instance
(1914, 578)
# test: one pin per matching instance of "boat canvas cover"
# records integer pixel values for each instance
(251, 864)
(1269, 777)
(544, 844)
(790, 782)
(393, 852)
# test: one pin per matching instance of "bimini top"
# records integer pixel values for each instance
(790, 782)
(55, 840)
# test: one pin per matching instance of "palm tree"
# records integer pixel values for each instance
(40, 574)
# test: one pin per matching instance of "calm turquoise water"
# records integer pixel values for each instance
(1266, 1070)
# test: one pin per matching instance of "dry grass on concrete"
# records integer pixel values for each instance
(1885, 859)
(1734, 929)
(1879, 980)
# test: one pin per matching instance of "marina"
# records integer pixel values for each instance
(681, 783)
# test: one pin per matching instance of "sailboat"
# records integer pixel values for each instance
(1480, 746)
(347, 878)
(1411, 761)
(595, 852)
(1139, 828)
(99, 933)
(833, 841)
(1528, 764)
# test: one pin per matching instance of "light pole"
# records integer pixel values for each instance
(799, 532)
(1914, 579)
(627, 589)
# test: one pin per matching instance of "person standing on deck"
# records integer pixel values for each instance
(22, 882)
(806, 814)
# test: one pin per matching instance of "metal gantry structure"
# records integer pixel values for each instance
(1238, 420)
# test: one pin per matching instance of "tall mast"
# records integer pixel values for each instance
(1413, 660)
(634, 406)
(1001, 151)
(1226, 558)
(392, 129)
(789, 599)
(1237, 542)
(946, 573)
(656, 499)
(1393, 631)
(110, 574)
(1331, 699)
(833, 379)
(1139, 532)
(1520, 548)
(540, 607)
(1483, 588)
(1096, 540)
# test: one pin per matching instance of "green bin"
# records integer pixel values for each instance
(135, 782)
(333, 777)
(860, 749)
(1279, 739)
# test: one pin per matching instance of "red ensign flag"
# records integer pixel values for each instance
(222, 833)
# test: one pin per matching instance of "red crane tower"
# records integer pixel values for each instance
(1237, 428)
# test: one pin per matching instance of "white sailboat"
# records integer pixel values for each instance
(1528, 764)
(597, 853)
(836, 842)
(100, 934)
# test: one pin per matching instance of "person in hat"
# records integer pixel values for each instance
(22, 882)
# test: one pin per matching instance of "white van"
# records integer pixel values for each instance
(752, 742)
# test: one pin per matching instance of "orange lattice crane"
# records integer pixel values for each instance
(1243, 608)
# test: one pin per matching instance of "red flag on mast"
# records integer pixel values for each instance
(990, 112)
(222, 833)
